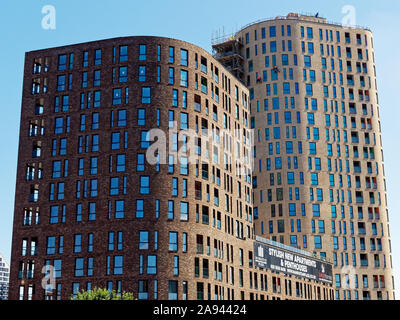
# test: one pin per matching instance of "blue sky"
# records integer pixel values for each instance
(193, 21)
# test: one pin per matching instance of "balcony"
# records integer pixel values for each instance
(199, 248)
(203, 68)
(35, 88)
(362, 231)
(39, 109)
(33, 197)
(36, 152)
(359, 200)
(29, 274)
(197, 194)
(37, 68)
(364, 262)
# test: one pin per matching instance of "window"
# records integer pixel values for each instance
(77, 243)
(119, 209)
(61, 83)
(141, 117)
(60, 191)
(151, 264)
(54, 214)
(171, 54)
(121, 118)
(144, 140)
(51, 245)
(184, 57)
(172, 290)
(79, 267)
(309, 89)
(142, 52)
(184, 121)
(174, 187)
(316, 210)
(97, 99)
(174, 98)
(184, 166)
(307, 61)
(146, 95)
(92, 211)
(97, 57)
(292, 209)
(158, 53)
(176, 265)
(140, 164)
(313, 148)
(171, 209)
(62, 62)
(56, 169)
(171, 75)
(123, 53)
(184, 78)
(139, 208)
(84, 79)
(290, 177)
(285, 60)
(115, 140)
(143, 240)
(120, 162)
(142, 73)
(173, 241)
(171, 163)
(272, 31)
(85, 59)
(123, 74)
(317, 242)
(314, 179)
(118, 265)
(309, 33)
(310, 46)
(117, 97)
(96, 78)
(144, 185)
(93, 188)
(184, 211)
(158, 74)
(114, 186)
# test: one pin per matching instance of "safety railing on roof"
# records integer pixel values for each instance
(298, 16)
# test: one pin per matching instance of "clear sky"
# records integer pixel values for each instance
(196, 22)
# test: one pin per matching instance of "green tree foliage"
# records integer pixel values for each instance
(102, 294)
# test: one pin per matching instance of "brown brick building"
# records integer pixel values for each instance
(91, 210)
